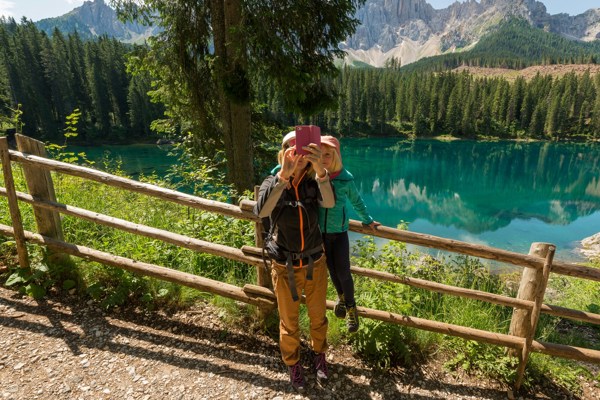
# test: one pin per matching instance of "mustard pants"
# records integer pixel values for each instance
(289, 310)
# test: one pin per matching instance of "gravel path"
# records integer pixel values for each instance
(64, 349)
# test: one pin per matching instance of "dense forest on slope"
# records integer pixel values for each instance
(390, 102)
(51, 76)
(514, 44)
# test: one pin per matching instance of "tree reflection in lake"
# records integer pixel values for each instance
(497, 193)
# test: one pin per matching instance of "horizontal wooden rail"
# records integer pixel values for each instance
(499, 339)
(564, 351)
(133, 185)
(143, 230)
(428, 285)
(461, 292)
(576, 353)
(575, 270)
(569, 313)
(456, 246)
(155, 271)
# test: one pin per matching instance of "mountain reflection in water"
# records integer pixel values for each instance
(482, 191)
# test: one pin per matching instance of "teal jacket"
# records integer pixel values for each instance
(336, 219)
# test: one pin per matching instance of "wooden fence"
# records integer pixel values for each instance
(527, 305)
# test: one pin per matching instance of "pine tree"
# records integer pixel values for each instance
(595, 123)
(56, 71)
(213, 47)
(81, 93)
(99, 88)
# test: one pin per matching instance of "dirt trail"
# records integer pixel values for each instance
(65, 349)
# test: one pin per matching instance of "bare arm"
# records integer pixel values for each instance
(327, 196)
(314, 157)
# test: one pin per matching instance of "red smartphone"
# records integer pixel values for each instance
(305, 135)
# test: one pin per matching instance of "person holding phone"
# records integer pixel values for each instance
(334, 223)
(291, 199)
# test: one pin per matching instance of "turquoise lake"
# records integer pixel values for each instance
(501, 194)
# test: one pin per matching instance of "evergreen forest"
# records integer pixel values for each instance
(45, 78)
(390, 102)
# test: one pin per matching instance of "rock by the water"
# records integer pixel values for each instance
(590, 247)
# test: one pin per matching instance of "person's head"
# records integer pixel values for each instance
(289, 140)
(330, 154)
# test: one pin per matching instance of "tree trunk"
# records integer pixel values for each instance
(231, 64)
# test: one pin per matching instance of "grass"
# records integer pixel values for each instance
(380, 342)
(111, 286)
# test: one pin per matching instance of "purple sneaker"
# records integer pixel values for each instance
(297, 377)
(320, 367)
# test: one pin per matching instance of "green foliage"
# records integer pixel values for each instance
(566, 374)
(492, 362)
(32, 282)
(72, 120)
(383, 344)
(484, 360)
(16, 119)
(59, 152)
(113, 287)
(386, 345)
(47, 270)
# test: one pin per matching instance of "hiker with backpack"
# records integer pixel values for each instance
(291, 199)
(334, 223)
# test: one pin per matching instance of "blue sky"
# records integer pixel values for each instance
(572, 7)
(39, 9)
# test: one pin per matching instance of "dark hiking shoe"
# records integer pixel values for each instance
(352, 319)
(340, 308)
(321, 367)
(297, 377)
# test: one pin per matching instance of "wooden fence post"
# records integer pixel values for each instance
(13, 204)
(531, 280)
(40, 185)
(535, 315)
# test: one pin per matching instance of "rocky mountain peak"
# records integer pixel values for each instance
(412, 29)
(95, 18)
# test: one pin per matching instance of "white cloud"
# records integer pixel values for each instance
(6, 8)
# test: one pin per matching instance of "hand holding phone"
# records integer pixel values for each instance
(305, 135)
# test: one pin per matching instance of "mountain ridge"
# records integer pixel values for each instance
(408, 30)
(403, 30)
(95, 18)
